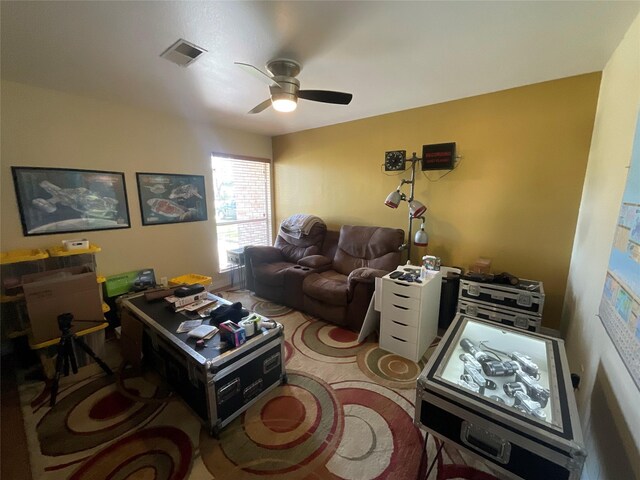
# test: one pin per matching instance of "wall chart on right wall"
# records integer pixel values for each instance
(620, 304)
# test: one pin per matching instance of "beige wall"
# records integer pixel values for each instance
(47, 128)
(608, 400)
(514, 197)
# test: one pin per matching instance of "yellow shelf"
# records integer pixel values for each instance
(22, 255)
(19, 333)
(79, 333)
(59, 251)
(11, 298)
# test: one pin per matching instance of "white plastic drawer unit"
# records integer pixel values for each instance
(409, 315)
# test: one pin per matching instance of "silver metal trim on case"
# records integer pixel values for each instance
(524, 300)
(469, 432)
(498, 313)
(249, 358)
(500, 293)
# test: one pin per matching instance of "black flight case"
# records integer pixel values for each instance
(217, 384)
(505, 395)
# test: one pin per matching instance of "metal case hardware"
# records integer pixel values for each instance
(485, 442)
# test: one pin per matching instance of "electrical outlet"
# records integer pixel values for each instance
(163, 281)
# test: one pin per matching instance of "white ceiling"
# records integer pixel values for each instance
(391, 55)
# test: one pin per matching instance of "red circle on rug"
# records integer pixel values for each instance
(283, 414)
(111, 405)
(342, 335)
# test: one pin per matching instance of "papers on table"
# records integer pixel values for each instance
(203, 331)
(188, 326)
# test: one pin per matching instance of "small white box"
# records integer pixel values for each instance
(78, 244)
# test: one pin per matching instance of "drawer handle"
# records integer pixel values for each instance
(401, 296)
(398, 323)
(401, 308)
(399, 339)
(401, 284)
(229, 390)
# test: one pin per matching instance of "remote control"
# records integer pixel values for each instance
(396, 274)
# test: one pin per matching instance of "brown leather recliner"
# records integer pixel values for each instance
(341, 289)
(273, 272)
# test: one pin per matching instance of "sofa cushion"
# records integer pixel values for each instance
(329, 287)
(373, 247)
(271, 273)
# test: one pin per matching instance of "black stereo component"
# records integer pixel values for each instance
(188, 290)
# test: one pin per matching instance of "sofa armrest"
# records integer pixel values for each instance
(365, 275)
(363, 280)
(263, 254)
(317, 262)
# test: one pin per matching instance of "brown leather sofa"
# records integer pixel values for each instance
(334, 283)
(270, 271)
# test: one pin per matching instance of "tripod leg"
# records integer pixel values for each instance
(59, 366)
(71, 353)
(65, 363)
(91, 353)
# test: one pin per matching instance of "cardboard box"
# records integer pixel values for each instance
(72, 290)
(125, 282)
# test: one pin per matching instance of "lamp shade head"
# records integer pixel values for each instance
(416, 209)
(393, 199)
(421, 239)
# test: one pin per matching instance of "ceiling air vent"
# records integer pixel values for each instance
(183, 53)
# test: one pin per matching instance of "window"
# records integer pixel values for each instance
(242, 196)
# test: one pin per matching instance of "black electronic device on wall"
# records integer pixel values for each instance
(439, 156)
(394, 160)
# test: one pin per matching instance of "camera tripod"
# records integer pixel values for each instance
(67, 354)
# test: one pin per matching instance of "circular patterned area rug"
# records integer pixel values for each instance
(346, 413)
(94, 414)
(327, 343)
(290, 433)
(154, 453)
(389, 369)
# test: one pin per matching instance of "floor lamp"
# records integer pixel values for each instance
(416, 209)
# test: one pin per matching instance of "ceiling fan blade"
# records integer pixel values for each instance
(261, 106)
(256, 72)
(326, 96)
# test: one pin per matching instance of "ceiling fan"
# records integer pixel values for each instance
(285, 87)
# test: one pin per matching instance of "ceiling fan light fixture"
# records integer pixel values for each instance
(284, 101)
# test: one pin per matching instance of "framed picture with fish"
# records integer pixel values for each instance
(64, 200)
(171, 198)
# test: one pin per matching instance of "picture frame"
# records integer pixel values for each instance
(65, 200)
(171, 198)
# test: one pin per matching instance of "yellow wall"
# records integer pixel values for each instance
(514, 197)
(51, 129)
(608, 399)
